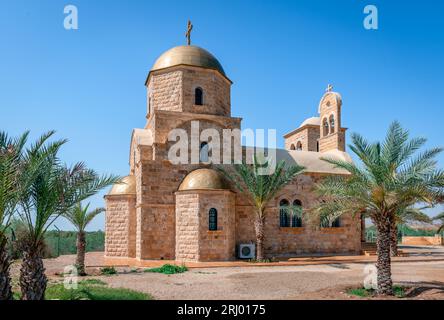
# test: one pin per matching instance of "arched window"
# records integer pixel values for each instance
(317, 146)
(324, 127)
(212, 219)
(299, 146)
(204, 152)
(292, 147)
(332, 124)
(284, 213)
(296, 219)
(198, 96)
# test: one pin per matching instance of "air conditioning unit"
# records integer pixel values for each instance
(247, 251)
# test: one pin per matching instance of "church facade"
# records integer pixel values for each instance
(189, 212)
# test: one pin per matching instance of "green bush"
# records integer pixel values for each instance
(108, 271)
(398, 291)
(168, 269)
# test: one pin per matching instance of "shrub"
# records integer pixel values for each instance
(168, 269)
(108, 271)
(362, 292)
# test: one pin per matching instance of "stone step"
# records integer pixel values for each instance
(370, 252)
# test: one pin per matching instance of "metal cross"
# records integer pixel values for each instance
(188, 33)
(329, 88)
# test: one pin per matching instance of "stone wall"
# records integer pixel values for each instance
(165, 91)
(173, 89)
(187, 227)
(437, 240)
(217, 245)
(311, 238)
(120, 226)
(308, 137)
(216, 92)
(194, 240)
(334, 141)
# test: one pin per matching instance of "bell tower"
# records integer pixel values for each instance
(332, 135)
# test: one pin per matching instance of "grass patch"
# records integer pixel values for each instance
(168, 269)
(92, 292)
(360, 292)
(96, 282)
(398, 291)
(106, 271)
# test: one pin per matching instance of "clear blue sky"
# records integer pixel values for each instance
(88, 84)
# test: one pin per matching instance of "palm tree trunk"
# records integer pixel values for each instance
(259, 228)
(394, 239)
(80, 260)
(385, 285)
(32, 273)
(5, 279)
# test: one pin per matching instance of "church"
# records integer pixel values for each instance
(190, 212)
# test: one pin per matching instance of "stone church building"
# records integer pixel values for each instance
(189, 212)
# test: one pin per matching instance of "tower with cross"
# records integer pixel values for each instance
(332, 135)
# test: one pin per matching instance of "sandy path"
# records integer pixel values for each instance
(269, 282)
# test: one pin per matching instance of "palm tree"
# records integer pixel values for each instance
(411, 214)
(80, 217)
(440, 217)
(260, 189)
(389, 179)
(10, 153)
(49, 189)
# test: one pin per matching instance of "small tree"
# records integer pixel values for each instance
(440, 218)
(260, 189)
(49, 189)
(10, 154)
(80, 217)
(388, 180)
(404, 216)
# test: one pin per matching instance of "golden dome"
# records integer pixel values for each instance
(203, 179)
(188, 55)
(126, 186)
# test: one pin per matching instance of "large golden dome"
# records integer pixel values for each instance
(188, 55)
(203, 179)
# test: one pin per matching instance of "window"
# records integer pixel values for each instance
(204, 152)
(212, 219)
(292, 147)
(317, 146)
(330, 222)
(299, 146)
(296, 219)
(332, 124)
(198, 96)
(284, 213)
(324, 127)
(336, 223)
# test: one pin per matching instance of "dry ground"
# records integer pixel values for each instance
(327, 281)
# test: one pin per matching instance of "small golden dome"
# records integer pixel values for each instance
(188, 55)
(126, 186)
(313, 121)
(203, 179)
